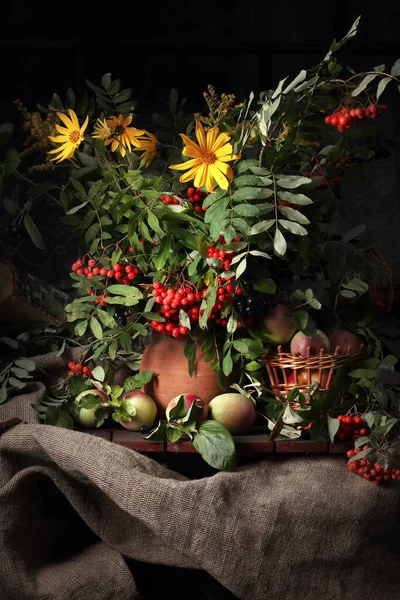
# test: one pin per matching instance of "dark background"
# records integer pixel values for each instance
(238, 47)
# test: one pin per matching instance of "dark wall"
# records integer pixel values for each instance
(239, 47)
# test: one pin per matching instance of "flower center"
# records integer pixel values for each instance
(119, 130)
(208, 157)
(74, 136)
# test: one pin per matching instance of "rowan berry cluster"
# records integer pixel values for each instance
(123, 273)
(345, 117)
(79, 370)
(371, 471)
(225, 258)
(101, 299)
(169, 200)
(196, 197)
(189, 298)
(351, 428)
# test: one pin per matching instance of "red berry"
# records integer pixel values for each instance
(92, 263)
(363, 431)
(110, 273)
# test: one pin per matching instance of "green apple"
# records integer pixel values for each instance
(233, 410)
(86, 416)
(145, 410)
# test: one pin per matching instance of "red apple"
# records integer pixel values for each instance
(278, 327)
(345, 339)
(87, 416)
(300, 342)
(236, 412)
(146, 410)
(189, 399)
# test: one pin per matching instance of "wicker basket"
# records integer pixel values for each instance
(287, 371)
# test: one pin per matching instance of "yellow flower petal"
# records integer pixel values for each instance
(225, 169)
(212, 135)
(85, 124)
(62, 130)
(194, 162)
(225, 150)
(219, 177)
(222, 139)
(189, 175)
(200, 135)
(209, 181)
(65, 120)
(192, 151)
(189, 142)
(201, 175)
(74, 118)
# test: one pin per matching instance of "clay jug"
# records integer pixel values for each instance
(166, 358)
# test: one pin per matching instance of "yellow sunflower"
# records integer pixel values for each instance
(148, 143)
(115, 131)
(208, 159)
(70, 136)
(103, 131)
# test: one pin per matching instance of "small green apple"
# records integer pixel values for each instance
(86, 416)
(145, 410)
(233, 410)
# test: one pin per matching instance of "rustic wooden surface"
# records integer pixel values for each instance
(251, 444)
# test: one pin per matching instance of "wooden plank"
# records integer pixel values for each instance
(249, 445)
(101, 433)
(136, 441)
(341, 447)
(301, 446)
(183, 447)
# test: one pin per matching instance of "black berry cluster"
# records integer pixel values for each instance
(250, 306)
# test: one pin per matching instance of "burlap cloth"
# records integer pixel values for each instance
(83, 518)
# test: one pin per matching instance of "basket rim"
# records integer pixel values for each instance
(322, 360)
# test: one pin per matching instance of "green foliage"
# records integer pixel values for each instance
(270, 233)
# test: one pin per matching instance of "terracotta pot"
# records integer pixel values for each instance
(166, 358)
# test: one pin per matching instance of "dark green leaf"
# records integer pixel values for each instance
(216, 446)
(33, 232)
(138, 381)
